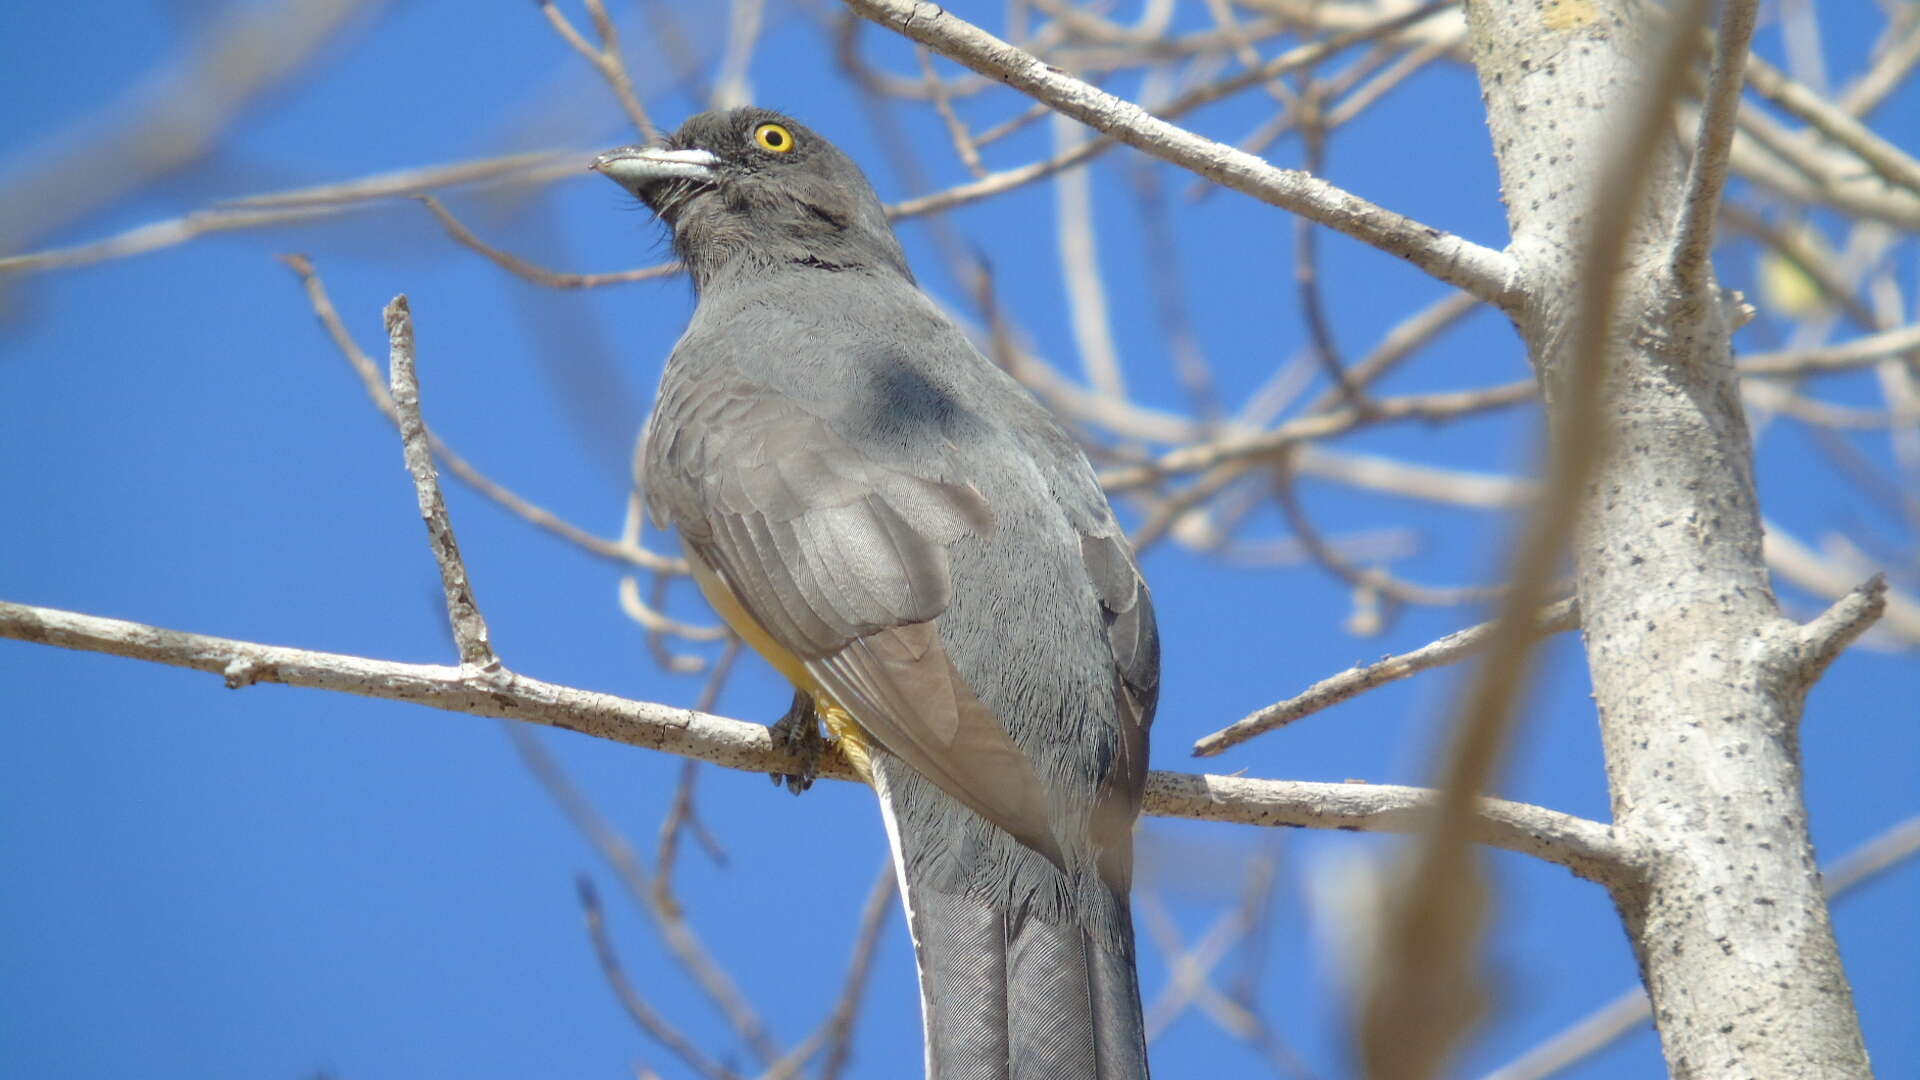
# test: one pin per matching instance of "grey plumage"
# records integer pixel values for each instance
(932, 553)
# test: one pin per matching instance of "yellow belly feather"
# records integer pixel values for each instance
(840, 723)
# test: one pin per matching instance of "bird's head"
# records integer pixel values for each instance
(749, 189)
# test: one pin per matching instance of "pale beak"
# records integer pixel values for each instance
(637, 167)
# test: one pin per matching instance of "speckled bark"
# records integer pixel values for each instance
(1698, 677)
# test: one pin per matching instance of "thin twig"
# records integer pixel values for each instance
(1354, 681)
(606, 59)
(469, 626)
(323, 309)
(1368, 579)
(293, 207)
(679, 936)
(964, 146)
(1902, 344)
(540, 275)
(835, 1033)
(1272, 444)
(644, 1015)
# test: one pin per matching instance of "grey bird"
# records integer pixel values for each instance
(913, 541)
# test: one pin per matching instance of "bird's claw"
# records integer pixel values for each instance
(798, 732)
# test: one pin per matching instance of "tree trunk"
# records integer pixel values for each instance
(1698, 677)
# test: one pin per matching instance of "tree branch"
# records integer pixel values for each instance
(1712, 146)
(1588, 848)
(469, 626)
(1354, 681)
(1482, 271)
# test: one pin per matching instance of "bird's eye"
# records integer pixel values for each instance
(773, 137)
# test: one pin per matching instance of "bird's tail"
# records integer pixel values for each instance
(1007, 994)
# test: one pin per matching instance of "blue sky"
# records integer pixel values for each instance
(278, 883)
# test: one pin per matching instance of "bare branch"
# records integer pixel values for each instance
(540, 275)
(469, 626)
(730, 86)
(1894, 165)
(1587, 848)
(1354, 681)
(1080, 269)
(1804, 567)
(1886, 74)
(1300, 57)
(1271, 444)
(1902, 344)
(534, 167)
(302, 204)
(1822, 640)
(964, 146)
(1712, 144)
(1456, 487)
(1486, 273)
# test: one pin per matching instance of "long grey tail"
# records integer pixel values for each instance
(1014, 984)
(1009, 997)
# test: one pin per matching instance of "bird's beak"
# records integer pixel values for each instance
(637, 167)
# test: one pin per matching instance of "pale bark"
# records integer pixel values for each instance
(491, 689)
(1698, 677)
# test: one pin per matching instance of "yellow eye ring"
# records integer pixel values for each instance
(774, 138)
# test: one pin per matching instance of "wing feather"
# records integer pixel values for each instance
(842, 560)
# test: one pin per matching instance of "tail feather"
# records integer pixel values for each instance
(1011, 998)
(961, 950)
(1025, 973)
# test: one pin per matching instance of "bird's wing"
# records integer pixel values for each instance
(842, 559)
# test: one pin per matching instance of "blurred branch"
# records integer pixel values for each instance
(171, 119)
(1370, 581)
(1801, 565)
(1587, 848)
(605, 58)
(835, 1033)
(644, 1015)
(1080, 272)
(1425, 991)
(1894, 165)
(302, 204)
(1271, 444)
(1902, 344)
(1190, 971)
(688, 950)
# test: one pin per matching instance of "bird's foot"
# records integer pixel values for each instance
(799, 733)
